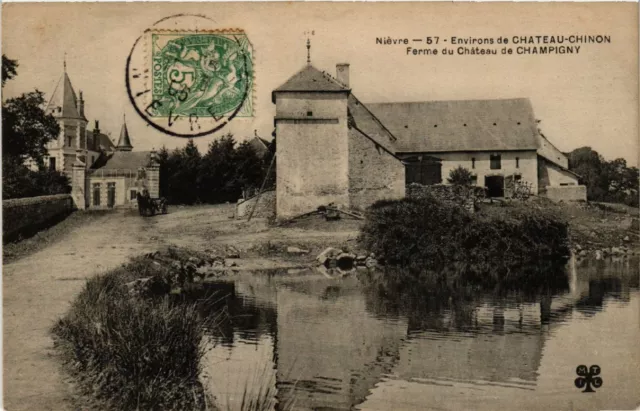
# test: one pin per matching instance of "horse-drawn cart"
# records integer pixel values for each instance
(148, 206)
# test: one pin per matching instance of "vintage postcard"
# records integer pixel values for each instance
(320, 206)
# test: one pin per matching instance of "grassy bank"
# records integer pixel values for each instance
(136, 350)
(427, 234)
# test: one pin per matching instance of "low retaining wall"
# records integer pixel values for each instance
(266, 206)
(23, 214)
(565, 193)
(448, 193)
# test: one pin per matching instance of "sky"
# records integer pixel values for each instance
(584, 99)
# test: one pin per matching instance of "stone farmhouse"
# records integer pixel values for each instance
(103, 174)
(332, 148)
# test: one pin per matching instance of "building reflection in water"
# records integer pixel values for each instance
(326, 344)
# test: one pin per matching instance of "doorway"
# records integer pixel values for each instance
(111, 195)
(494, 185)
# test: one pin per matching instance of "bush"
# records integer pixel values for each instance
(133, 353)
(460, 176)
(425, 233)
(19, 182)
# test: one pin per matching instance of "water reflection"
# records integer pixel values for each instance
(354, 342)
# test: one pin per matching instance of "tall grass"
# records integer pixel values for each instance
(133, 353)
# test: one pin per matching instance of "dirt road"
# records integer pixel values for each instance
(38, 288)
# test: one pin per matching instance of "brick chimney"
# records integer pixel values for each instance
(81, 105)
(95, 143)
(342, 73)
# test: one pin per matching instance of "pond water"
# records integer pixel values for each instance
(313, 343)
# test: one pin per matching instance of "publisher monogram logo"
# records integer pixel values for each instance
(588, 378)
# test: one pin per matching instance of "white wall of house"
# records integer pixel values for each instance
(524, 163)
(120, 191)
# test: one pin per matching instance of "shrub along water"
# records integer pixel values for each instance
(131, 352)
(426, 234)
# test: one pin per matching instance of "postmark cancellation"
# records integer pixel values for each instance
(190, 82)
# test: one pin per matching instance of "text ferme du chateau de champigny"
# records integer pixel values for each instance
(501, 45)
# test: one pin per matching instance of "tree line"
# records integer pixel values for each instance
(226, 172)
(26, 130)
(608, 181)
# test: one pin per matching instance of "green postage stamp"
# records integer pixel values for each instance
(203, 74)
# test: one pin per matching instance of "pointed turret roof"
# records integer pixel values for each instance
(311, 79)
(64, 102)
(124, 142)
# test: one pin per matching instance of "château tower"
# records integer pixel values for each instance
(68, 110)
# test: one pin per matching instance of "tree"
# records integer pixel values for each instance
(26, 128)
(9, 69)
(183, 166)
(222, 174)
(217, 173)
(249, 171)
(588, 164)
(605, 180)
(460, 176)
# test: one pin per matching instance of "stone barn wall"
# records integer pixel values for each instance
(374, 173)
(23, 214)
(312, 150)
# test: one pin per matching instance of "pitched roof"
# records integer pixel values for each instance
(124, 142)
(310, 79)
(104, 143)
(259, 145)
(460, 125)
(63, 102)
(363, 120)
(123, 160)
(550, 152)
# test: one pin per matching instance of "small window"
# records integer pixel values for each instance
(517, 177)
(564, 184)
(474, 180)
(517, 162)
(495, 162)
(133, 194)
(52, 164)
(309, 113)
(473, 162)
(96, 194)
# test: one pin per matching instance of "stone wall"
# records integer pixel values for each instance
(565, 193)
(266, 206)
(22, 214)
(312, 150)
(452, 194)
(374, 173)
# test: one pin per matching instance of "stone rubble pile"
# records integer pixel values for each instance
(337, 261)
(171, 272)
